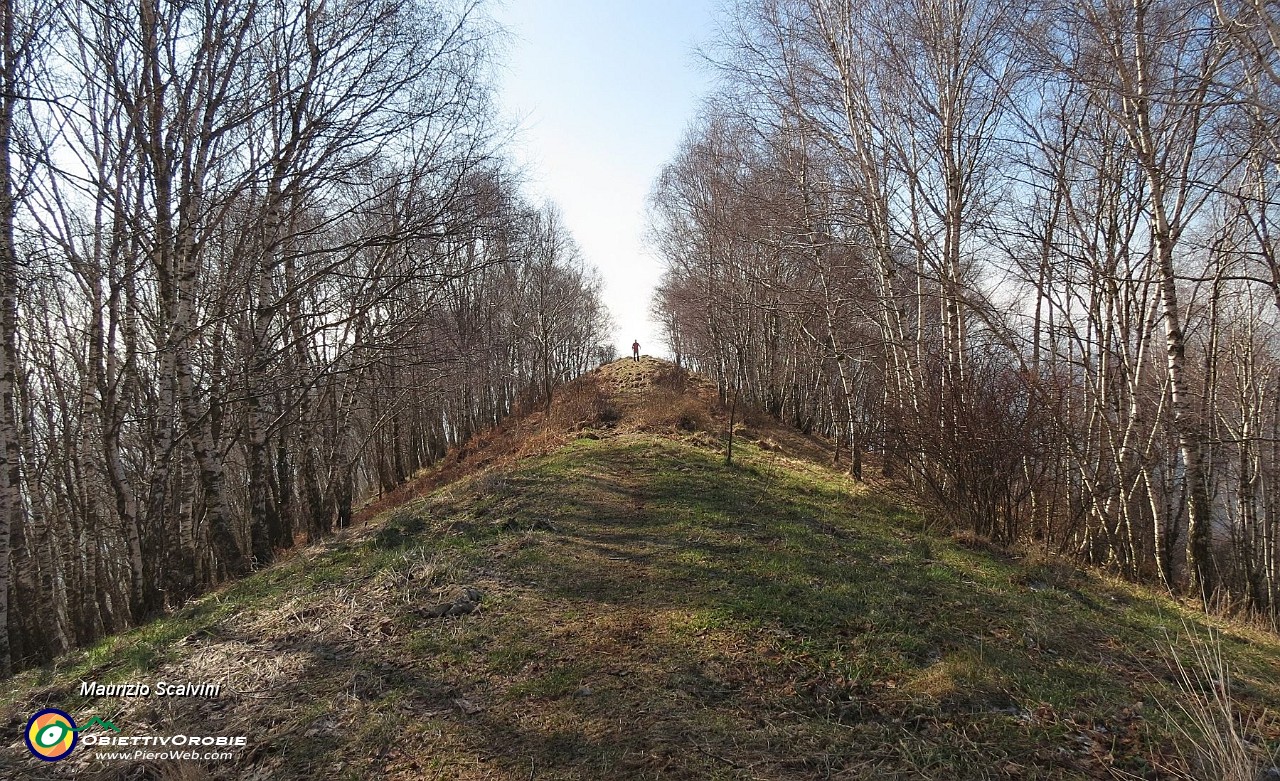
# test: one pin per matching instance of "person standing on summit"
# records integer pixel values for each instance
(635, 350)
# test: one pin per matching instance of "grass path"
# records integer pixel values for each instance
(650, 613)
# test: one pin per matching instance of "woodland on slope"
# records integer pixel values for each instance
(591, 590)
(258, 259)
(1026, 252)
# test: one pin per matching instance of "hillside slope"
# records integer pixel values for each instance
(612, 601)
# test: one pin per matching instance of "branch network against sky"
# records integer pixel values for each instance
(603, 92)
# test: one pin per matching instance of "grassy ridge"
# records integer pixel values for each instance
(649, 612)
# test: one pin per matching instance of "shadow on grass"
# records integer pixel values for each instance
(886, 633)
(678, 618)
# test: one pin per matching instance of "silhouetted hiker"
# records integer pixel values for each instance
(635, 350)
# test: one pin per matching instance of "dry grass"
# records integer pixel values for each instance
(649, 612)
(584, 403)
(976, 542)
(1041, 570)
(1219, 741)
(622, 396)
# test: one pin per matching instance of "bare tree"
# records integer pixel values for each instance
(1067, 213)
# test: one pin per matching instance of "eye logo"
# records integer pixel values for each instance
(50, 735)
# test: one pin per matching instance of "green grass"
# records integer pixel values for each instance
(650, 612)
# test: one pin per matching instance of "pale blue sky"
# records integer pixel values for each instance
(603, 91)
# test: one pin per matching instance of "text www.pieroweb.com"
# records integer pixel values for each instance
(144, 754)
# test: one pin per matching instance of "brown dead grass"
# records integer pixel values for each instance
(651, 635)
(625, 396)
(677, 618)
